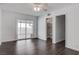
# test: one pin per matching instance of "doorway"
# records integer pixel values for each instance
(24, 29)
(49, 28)
(60, 28)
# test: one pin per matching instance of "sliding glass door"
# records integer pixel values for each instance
(25, 29)
(29, 29)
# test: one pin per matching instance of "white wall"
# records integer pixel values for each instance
(60, 28)
(72, 29)
(9, 22)
(0, 26)
(42, 28)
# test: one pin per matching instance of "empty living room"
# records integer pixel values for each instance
(39, 29)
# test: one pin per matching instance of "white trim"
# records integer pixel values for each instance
(9, 40)
(72, 48)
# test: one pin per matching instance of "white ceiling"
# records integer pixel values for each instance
(27, 8)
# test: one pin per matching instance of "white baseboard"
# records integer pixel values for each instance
(75, 49)
(9, 40)
(58, 41)
(42, 39)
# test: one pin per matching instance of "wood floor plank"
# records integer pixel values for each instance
(35, 47)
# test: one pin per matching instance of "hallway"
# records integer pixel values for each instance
(34, 47)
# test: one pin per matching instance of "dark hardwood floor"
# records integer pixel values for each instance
(35, 47)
